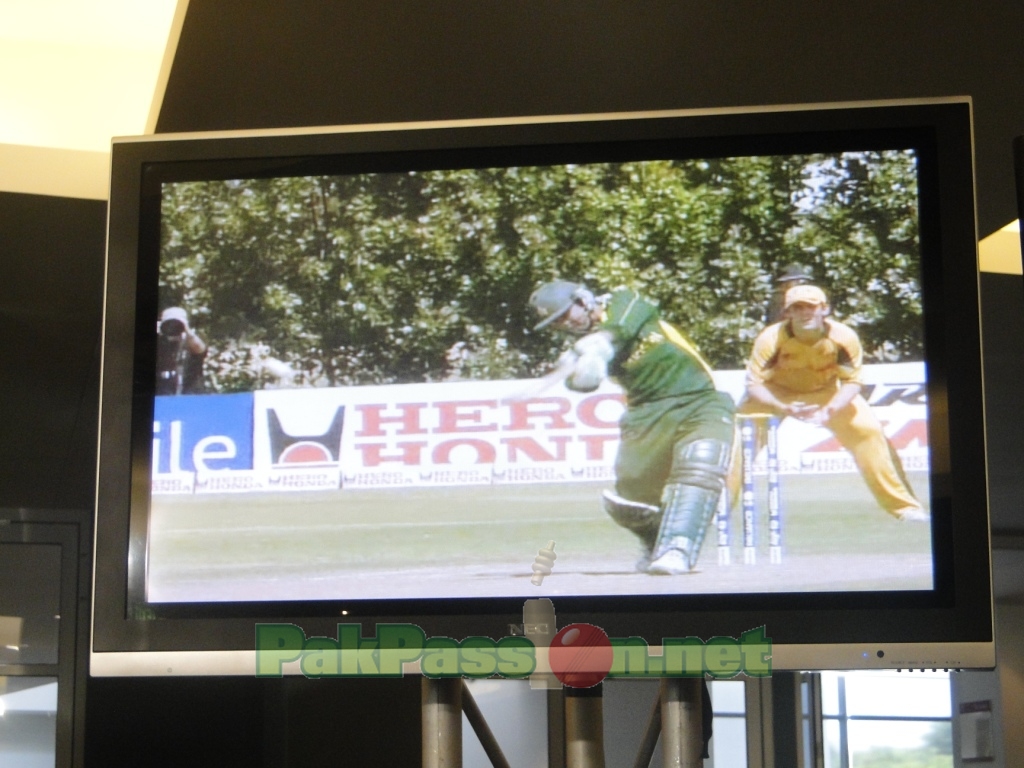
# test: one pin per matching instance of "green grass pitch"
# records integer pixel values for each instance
(482, 540)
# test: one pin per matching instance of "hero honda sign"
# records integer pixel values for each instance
(453, 433)
(458, 433)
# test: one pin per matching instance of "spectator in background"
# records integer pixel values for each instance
(180, 354)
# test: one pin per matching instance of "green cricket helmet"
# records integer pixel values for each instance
(554, 299)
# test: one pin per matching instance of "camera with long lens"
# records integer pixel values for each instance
(172, 329)
(169, 350)
(179, 355)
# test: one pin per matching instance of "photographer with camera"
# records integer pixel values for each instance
(179, 355)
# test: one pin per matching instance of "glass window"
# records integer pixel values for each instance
(835, 744)
(886, 718)
(728, 697)
(516, 716)
(898, 694)
(728, 748)
(28, 721)
(830, 693)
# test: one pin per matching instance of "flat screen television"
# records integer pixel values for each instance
(336, 386)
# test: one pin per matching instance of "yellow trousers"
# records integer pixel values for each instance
(858, 431)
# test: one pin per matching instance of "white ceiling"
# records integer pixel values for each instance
(1001, 251)
(73, 74)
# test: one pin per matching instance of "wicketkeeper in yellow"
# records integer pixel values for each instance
(809, 366)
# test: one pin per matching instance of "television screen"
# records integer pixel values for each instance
(683, 374)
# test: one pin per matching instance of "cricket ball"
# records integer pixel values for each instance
(580, 655)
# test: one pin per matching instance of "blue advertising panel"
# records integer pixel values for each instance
(202, 433)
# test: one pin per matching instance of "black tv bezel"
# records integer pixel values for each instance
(958, 612)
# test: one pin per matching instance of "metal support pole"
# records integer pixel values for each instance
(441, 714)
(584, 727)
(682, 737)
(556, 728)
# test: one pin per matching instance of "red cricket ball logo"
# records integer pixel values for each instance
(580, 655)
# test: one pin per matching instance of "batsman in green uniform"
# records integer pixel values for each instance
(677, 430)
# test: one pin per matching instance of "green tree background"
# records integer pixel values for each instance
(425, 276)
(935, 751)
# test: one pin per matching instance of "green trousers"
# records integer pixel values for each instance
(651, 431)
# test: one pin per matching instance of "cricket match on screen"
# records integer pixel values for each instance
(653, 377)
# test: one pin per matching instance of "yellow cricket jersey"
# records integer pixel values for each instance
(781, 360)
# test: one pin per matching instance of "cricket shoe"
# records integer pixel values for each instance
(913, 515)
(674, 562)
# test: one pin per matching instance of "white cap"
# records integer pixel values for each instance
(175, 313)
(805, 294)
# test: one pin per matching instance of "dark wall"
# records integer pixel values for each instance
(1002, 328)
(218, 722)
(51, 301)
(158, 723)
(260, 63)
